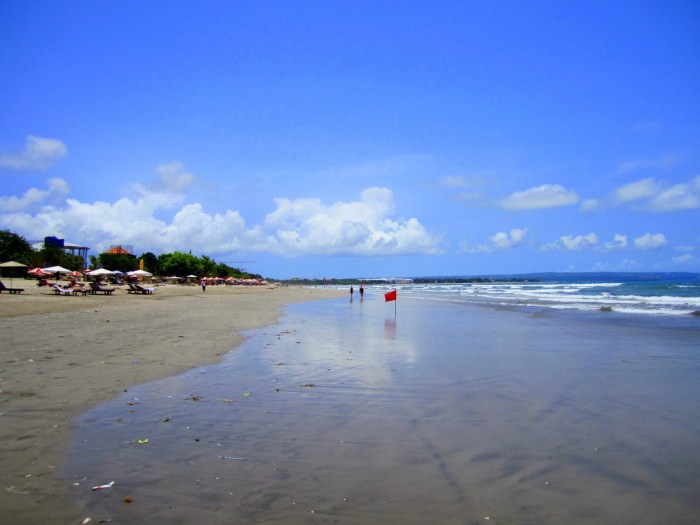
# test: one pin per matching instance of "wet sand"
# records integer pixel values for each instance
(448, 413)
(64, 355)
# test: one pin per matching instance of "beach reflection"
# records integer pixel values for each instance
(390, 328)
(334, 415)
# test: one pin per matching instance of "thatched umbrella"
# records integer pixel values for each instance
(12, 264)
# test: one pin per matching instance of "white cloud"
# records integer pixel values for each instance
(579, 242)
(38, 154)
(294, 227)
(544, 196)
(359, 228)
(57, 189)
(173, 177)
(678, 197)
(499, 242)
(590, 205)
(641, 189)
(650, 241)
(652, 195)
(619, 242)
(684, 259)
(572, 242)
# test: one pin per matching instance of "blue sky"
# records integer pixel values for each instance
(353, 138)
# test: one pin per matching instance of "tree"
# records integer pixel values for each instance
(14, 247)
(150, 263)
(180, 264)
(208, 267)
(118, 261)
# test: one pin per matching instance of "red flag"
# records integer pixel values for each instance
(390, 296)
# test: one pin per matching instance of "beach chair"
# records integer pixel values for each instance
(4, 288)
(133, 289)
(144, 289)
(95, 288)
(59, 290)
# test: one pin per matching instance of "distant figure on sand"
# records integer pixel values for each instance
(204, 285)
(362, 291)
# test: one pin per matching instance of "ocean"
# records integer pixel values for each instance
(497, 403)
(649, 293)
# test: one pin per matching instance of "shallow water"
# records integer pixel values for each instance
(450, 413)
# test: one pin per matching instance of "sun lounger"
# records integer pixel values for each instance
(4, 288)
(96, 288)
(59, 290)
(137, 288)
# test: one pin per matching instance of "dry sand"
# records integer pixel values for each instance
(63, 355)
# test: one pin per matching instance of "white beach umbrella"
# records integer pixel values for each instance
(100, 271)
(142, 273)
(55, 269)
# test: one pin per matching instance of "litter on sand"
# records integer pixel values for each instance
(106, 486)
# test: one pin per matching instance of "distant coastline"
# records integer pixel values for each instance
(536, 277)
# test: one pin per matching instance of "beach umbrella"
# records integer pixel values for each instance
(141, 273)
(12, 264)
(100, 271)
(35, 272)
(55, 269)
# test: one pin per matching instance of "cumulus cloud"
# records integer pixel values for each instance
(650, 241)
(579, 242)
(38, 154)
(654, 196)
(544, 196)
(173, 177)
(294, 227)
(684, 259)
(641, 189)
(56, 190)
(678, 197)
(573, 242)
(499, 242)
(619, 242)
(363, 227)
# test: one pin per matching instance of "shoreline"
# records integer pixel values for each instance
(64, 355)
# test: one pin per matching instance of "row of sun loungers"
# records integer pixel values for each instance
(95, 289)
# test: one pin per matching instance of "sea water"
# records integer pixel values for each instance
(650, 294)
(420, 411)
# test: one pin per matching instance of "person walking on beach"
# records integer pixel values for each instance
(352, 291)
(362, 291)
(204, 285)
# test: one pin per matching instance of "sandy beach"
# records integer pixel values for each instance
(63, 355)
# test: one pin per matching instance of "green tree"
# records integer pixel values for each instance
(208, 267)
(180, 264)
(14, 247)
(118, 261)
(151, 263)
